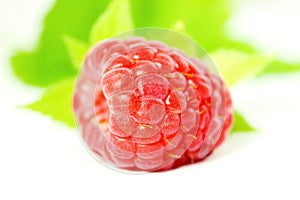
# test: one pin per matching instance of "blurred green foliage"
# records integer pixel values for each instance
(76, 49)
(50, 62)
(116, 19)
(235, 66)
(56, 102)
(279, 67)
(240, 124)
(72, 26)
(204, 20)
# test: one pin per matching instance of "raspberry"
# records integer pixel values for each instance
(142, 105)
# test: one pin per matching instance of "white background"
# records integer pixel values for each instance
(42, 159)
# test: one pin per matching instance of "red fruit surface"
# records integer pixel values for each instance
(141, 105)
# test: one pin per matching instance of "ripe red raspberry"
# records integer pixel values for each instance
(142, 105)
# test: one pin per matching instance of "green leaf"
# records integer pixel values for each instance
(279, 67)
(40, 68)
(235, 66)
(115, 19)
(57, 102)
(240, 124)
(49, 61)
(204, 20)
(77, 50)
